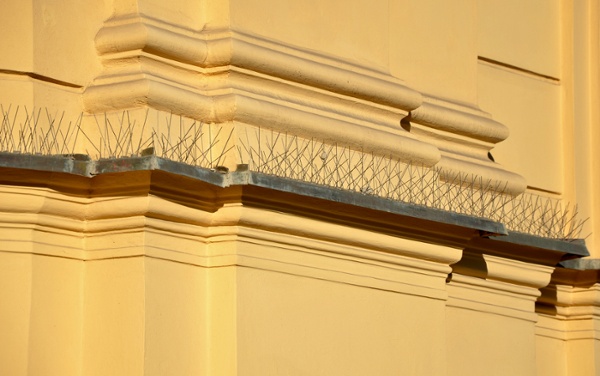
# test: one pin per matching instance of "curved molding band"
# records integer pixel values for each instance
(310, 125)
(224, 75)
(210, 49)
(459, 122)
(330, 75)
(488, 174)
(465, 135)
(263, 111)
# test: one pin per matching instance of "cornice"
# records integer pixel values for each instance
(517, 266)
(486, 174)
(464, 135)
(528, 248)
(581, 273)
(216, 48)
(132, 207)
(120, 197)
(174, 179)
(497, 285)
(220, 76)
(459, 119)
(577, 308)
(224, 75)
(303, 121)
(504, 269)
(174, 223)
(321, 72)
(318, 200)
(569, 306)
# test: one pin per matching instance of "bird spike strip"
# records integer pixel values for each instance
(192, 142)
(120, 135)
(336, 166)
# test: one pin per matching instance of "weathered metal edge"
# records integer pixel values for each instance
(581, 264)
(149, 163)
(76, 164)
(373, 202)
(575, 247)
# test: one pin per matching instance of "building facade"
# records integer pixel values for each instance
(259, 187)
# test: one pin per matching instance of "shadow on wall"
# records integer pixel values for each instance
(545, 303)
(472, 263)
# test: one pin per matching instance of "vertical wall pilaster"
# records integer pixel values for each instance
(491, 315)
(568, 331)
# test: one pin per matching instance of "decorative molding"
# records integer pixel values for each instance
(164, 222)
(226, 76)
(493, 297)
(486, 173)
(464, 135)
(459, 119)
(523, 276)
(220, 76)
(498, 285)
(188, 215)
(518, 272)
(128, 35)
(136, 210)
(569, 312)
(324, 172)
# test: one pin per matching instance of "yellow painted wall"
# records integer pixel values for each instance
(298, 325)
(147, 274)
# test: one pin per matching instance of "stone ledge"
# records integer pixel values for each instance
(260, 184)
(415, 221)
(577, 273)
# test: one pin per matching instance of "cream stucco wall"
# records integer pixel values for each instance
(126, 270)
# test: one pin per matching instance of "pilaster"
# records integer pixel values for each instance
(492, 296)
(569, 309)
